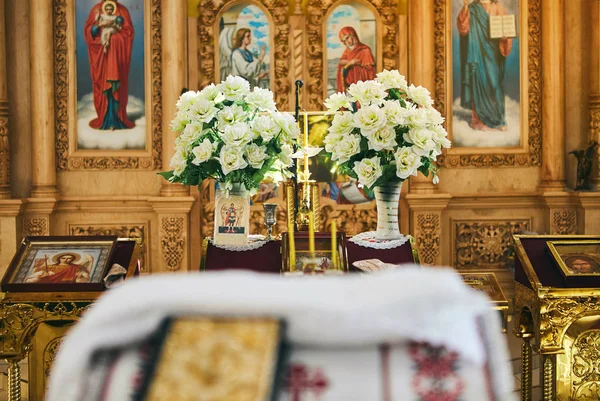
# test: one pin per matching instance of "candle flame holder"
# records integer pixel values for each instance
(270, 220)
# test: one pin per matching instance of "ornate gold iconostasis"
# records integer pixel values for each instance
(63, 178)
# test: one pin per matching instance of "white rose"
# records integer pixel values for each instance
(286, 155)
(179, 161)
(434, 116)
(383, 138)
(346, 148)
(407, 162)
(202, 110)
(237, 135)
(422, 139)
(343, 123)
(231, 158)
(193, 131)
(419, 95)
(395, 113)
(331, 141)
(186, 100)
(234, 88)
(230, 115)
(367, 92)
(261, 99)
(179, 122)
(288, 125)
(368, 171)
(417, 118)
(202, 152)
(212, 93)
(392, 79)
(369, 119)
(337, 101)
(256, 155)
(265, 127)
(441, 136)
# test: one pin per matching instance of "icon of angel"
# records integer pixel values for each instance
(231, 215)
(236, 58)
(65, 267)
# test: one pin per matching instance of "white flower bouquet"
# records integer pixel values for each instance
(231, 134)
(384, 131)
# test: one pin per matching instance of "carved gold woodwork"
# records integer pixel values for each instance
(594, 127)
(443, 61)
(209, 12)
(318, 11)
(133, 231)
(49, 355)
(4, 148)
(564, 221)
(563, 326)
(37, 225)
(428, 232)
(586, 366)
(172, 241)
(65, 159)
(485, 243)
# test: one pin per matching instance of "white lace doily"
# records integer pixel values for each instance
(254, 242)
(368, 240)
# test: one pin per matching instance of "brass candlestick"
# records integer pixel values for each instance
(269, 209)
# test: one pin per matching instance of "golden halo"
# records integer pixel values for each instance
(107, 2)
(56, 258)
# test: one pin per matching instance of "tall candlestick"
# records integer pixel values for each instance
(305, 145)
(334, 258)
(292, 246)
(311, 234)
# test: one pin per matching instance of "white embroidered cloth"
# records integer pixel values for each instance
(255, 241)
(368, 240)
(431, 305)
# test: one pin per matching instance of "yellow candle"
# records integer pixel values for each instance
(292, 246)
(334, 258)
(311, 234)
(306, 145)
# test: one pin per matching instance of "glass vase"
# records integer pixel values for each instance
(388, 198)
(232, 215)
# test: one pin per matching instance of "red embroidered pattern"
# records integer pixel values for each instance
(436, 377)
(299, 381)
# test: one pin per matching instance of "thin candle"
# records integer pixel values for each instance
(334, 258)
(311, 234)
(292, 246)
(306, 145)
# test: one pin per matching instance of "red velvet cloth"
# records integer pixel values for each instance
(266, 259)
(546, 268)
(110, 66)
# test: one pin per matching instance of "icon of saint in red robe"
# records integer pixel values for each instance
(357, 62)
(61, 268)
(109, 35)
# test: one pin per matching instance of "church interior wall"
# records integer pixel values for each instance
(472, 198)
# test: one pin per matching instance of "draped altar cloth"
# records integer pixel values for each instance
(352, 312)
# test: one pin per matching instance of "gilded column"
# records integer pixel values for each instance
(594, 51)
(4, 145)
(42, 99)
(174, 61)
(553, 96)
(173, 206)
(421, 67)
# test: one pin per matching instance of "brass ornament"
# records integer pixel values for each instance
(4, 146)
(557, 314)
(61, 100)
(485, 243)
(534, 61)
(49, 356)
(586, 366)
